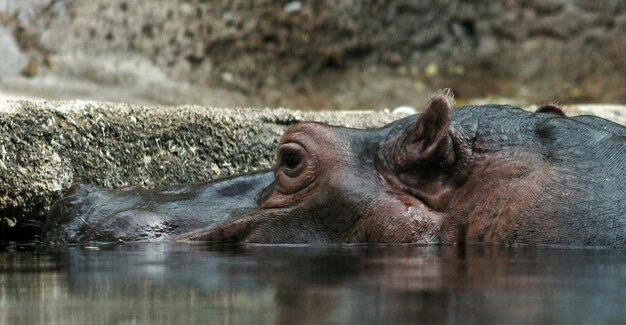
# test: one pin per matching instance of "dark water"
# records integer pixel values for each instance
(183, 283)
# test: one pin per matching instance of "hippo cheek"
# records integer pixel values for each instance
(258, 226)
(300, 224)
(289, 227)
(235, 230)
(400, 219)
(387, 220)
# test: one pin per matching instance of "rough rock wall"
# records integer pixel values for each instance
(354, 54)
(47, 146)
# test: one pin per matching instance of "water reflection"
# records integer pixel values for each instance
(184, 283)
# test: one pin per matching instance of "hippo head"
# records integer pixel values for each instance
(334, 184)
(491, 174)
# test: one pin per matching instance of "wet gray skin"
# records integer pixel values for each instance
(483, 174)
(89, 213)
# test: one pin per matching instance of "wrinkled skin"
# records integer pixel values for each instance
(481, 174)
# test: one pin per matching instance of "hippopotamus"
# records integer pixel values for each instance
(491, 174)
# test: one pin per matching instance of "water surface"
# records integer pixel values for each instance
(177, 283)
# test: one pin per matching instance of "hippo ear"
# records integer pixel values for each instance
(431, 129)
(428, 140)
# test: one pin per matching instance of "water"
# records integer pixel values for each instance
(192, 283)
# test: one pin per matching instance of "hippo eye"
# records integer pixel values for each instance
(291, 161)
(295, 168)
(292, 164)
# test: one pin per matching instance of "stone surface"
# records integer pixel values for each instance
(46, 146)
